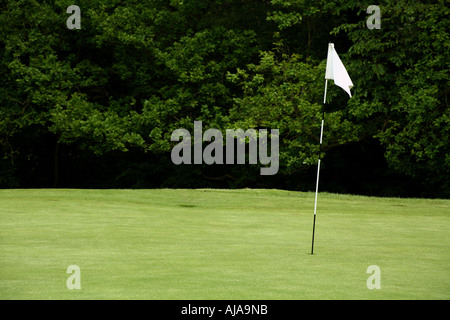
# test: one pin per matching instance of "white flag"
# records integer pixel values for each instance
(336, 71)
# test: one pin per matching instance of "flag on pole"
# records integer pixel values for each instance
(336, 71)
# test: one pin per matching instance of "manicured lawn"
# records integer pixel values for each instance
(220, 244)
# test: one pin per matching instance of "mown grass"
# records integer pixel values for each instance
(220, 244)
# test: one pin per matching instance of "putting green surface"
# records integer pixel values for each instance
(220, 244)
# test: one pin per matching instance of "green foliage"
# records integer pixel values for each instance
(401, 86)
(281, 92)
(137, 71)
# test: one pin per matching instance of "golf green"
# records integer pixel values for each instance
(220, 244)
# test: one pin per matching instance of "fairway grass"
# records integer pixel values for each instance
(220, 244)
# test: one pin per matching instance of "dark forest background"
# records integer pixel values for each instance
(95, 107)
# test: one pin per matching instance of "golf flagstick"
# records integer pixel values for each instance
(318, 167)
(335, 71)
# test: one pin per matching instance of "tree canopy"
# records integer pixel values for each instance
(96, 106)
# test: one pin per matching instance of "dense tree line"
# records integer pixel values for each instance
(95, 107)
